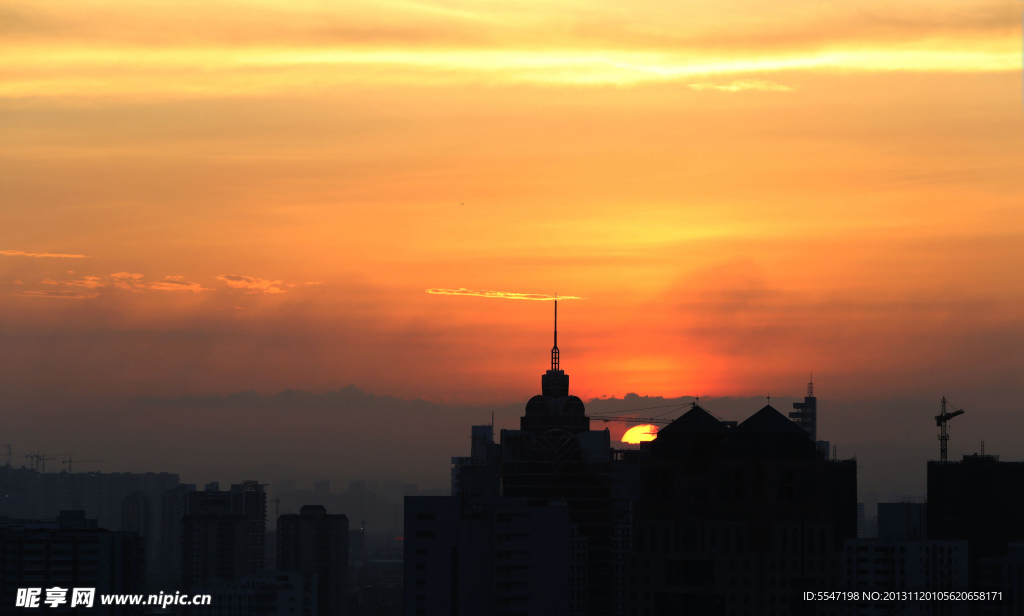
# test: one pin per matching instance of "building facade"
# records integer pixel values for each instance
(738, 520)
(315, 542)
(72, 552)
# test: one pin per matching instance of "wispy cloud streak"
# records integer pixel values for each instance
(57, 294)
(742, 85)
(500, 294)
(121, 280)
(39, 255)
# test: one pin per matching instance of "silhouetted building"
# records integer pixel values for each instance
(137, 516)
(316, 542)
(215, 546)
(32, 495)
(222, 532)
(479, 474)
(555, 456)
(72, 552)
(380, 590)
(805, 414)
(1013, 579)
(356, 545)
(488, 555)
(902, 558)
(136, 513)
(981, 500)
(249, 499)
(875, 565)
(625, 474)
(902, 521)
(284, 593)
(173, 507)
(739, 520)
(553, 466)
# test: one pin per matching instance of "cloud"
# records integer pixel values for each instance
(127, 281)
(40, 255)
(124, 280)
(58, 294)
(742, 85)
(134, 282)
(500, 294)
(176, 283)
(253, 285)
(86, 282)
(282, 48)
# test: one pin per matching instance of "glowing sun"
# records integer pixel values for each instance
(638, 434)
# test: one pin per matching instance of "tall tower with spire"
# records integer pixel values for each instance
(554, 408)
(555, 457)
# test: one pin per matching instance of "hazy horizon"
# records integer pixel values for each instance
(349, 434)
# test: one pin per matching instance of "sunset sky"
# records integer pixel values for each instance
(203, 198)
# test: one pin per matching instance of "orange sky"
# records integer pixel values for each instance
(261, 193)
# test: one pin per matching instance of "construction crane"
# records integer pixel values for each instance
(69, 461)
(941, 420)
(657, 419)
(39, 461)
(642, 420)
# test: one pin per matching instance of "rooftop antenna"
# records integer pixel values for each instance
(810, 386)
(554, 349)
(941, 420)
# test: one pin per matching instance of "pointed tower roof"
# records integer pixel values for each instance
(555, 408)
(770, 421)
(695, 421)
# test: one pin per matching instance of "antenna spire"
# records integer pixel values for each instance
(554, 349)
